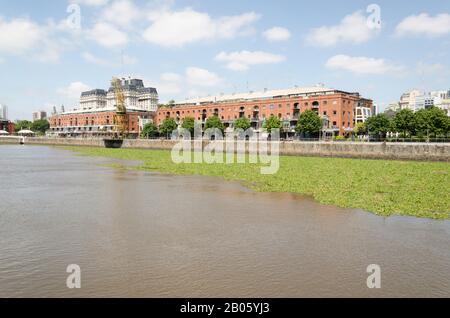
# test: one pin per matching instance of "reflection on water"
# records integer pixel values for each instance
(149, 235)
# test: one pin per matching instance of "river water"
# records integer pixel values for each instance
(140, 234)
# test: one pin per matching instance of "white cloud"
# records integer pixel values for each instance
(431, 68)
(362, 65)
(241, 61)
(171, 77)
(277, 34)
(174, 85)
(170, 84)
(125, 59)
(91, 3)
(19, 36)
(108, 35)
(424, 24)
(121, 12)
(178, 28)
(353, 28)
(129, 60)
(74, 90)
(201, 77)
(25, 38)
(88, 57)
(230, 27)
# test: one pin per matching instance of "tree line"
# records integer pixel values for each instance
(38, 126)
(431, 122)
(309, 123)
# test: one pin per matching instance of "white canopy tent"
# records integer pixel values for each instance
(25, 132)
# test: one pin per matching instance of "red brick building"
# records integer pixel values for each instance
(336, 108)
(7, 126)
(95, 123)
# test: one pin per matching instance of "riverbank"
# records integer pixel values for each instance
(358, 150)
(382, 187)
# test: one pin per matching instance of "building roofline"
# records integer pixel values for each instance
(101, 110)
(265, 95)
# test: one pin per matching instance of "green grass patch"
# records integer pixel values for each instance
(382, 187)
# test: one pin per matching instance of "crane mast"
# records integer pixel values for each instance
(120, 117)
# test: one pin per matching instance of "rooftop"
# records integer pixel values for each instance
(99, 110)
(266, 94)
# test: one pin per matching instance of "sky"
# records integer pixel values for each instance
(52, 50)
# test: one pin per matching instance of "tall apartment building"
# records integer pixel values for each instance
(338, 109)
(5, 124)
(39, 115)
(416, 100)
(3, 112)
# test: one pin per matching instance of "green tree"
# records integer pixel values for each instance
(360, 129)
(22, 124)
(404, 122)
(271, 123)
(390, 113)
(440, 122)
(378, 125)
(432, 121)
(40, 126)
(214, 122)
(309, 123)
(189, 124)
(149, 130)
(167, 127)
(422, 123)
(242, 123)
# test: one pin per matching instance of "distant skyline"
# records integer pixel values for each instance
(49, 54)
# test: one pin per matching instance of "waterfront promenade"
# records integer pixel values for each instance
(339, 149)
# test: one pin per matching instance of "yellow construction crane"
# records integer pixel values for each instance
(120, 118)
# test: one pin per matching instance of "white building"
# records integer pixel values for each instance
(445, 106)
(417, 100)
(137, 97)
(362, 113)
(94, 99)
(413, 100)
(394, 107)
(3, 112)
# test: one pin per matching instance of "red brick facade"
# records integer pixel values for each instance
(95, 122)
(336, 109)
(7, 126)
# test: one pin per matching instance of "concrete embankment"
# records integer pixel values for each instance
(393, 151)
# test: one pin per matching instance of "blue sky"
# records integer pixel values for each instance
(194, 48)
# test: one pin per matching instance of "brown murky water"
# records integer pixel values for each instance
(148, 235)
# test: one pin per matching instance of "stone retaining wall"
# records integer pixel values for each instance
(403, 151)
